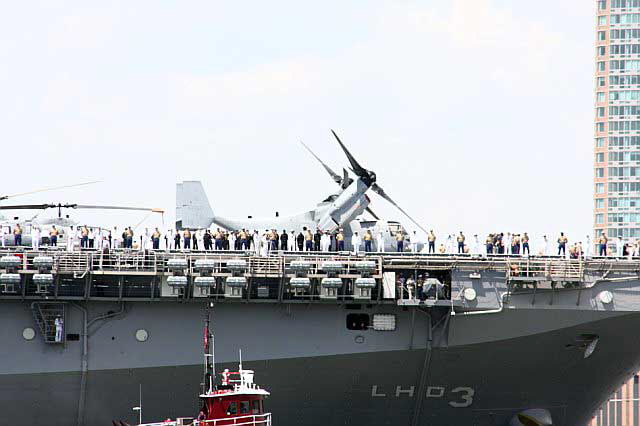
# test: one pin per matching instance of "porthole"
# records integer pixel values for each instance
(142, 335)
(28, 333)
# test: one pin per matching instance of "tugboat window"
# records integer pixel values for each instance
(255, 407)
(232, 409)
(244, 407)
(357, 321)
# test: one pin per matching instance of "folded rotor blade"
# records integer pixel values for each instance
(4, 197)
(144, 209)
(378, 190)
(355, 166)
(375, 216)
(28, 207)
(336, 178)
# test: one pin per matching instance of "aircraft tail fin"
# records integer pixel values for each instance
(192, 206)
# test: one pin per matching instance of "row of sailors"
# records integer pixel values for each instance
(81, 236)
(521, 244)
(263, 243)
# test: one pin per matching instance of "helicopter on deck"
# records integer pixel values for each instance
(342, 210)
(62, 222)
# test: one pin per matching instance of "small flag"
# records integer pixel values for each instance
(206, 338)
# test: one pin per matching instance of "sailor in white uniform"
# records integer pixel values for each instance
(146, 238)
(380, 241)
(256, 242)
(59, 328)
(35, 238)
(475, 245)
(291, 242)
(264, 245)
(325, 242)
(619, 246)
(356, 241)
(449, 245)
(232, 240)
(507, 243)
(200, 238)
(588, 247)
(170, 242)
(545, 246)
(115, 237)
(414, 242)
(97, 242)
(71, 238)
(3, 235)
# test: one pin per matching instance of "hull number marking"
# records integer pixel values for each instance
(459, 397)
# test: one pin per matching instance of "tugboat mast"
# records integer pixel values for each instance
(209, 354)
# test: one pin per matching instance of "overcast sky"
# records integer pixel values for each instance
(476, 115)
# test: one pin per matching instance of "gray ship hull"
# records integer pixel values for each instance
(480, 370)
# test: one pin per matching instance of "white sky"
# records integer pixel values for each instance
(476, 115)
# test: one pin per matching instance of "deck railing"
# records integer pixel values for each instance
(248, 420)
(132, 274)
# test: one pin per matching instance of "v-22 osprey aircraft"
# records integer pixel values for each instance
(338, 211)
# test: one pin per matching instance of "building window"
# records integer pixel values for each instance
(602, 20)
(602, 50)
(601, 66)
(599, 172)
(624, 126)
(599, 142)
(599, 157)
(602, 4)
(600, 97)
(599, 203)
(599, 188)
(624, 110)
(624, 18)
(624, 141)
(600, 112)
(601, 81)
(624, 95)
(602, 35)
(599, 127)
(599, 218)
(622, 4)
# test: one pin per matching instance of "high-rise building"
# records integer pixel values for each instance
(617, 157)
(622, 408)
(617, 120)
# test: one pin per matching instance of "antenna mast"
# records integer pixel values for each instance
(209, 351)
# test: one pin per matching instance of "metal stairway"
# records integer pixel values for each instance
(46, 315)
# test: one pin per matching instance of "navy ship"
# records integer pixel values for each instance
(376, 339)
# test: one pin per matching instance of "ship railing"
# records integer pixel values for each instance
(72, 262)
(270, 266)
(415, 293)
(124, 261)
(545, 270)
(248, 420)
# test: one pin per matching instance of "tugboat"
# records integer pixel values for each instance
(237, 400)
